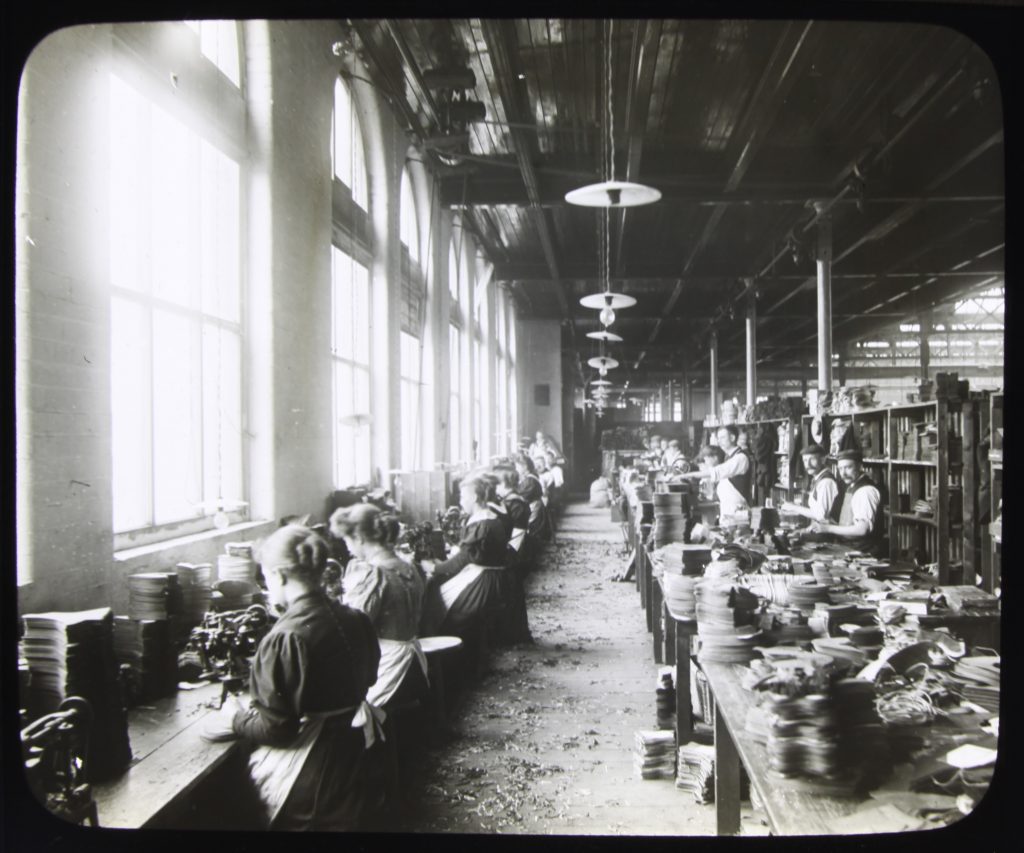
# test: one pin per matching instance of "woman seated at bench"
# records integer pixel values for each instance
(309, 719)
(471, 583)
(389, 591)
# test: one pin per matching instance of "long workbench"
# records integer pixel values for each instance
(170, 759)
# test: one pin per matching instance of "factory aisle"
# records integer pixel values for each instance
(544, 742)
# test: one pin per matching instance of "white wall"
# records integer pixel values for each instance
(540, 362)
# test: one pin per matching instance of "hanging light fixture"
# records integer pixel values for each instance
(603, 364)
(610, 192)
(604, 335)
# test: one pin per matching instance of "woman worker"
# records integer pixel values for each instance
(309, 718)
(521, 552)
(532, 490)
(390, 592)
(732, 475)
(472, 582)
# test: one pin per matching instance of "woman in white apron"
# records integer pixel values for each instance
(472, 583)
(308, 716)
(390, 592)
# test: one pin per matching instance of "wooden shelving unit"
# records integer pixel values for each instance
(913, 452)
(993, 535)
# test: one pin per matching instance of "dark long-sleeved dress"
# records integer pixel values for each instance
(484, 542)
(319, 657)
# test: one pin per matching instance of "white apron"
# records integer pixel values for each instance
(396, 656)
(275, 769)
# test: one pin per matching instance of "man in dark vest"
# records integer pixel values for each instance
(824, 494)
(860, 515)
(732, 475)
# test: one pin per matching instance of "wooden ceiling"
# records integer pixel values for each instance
(743, 126)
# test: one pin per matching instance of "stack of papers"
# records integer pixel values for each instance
(655, 754)
(695, 771)
(72, 654)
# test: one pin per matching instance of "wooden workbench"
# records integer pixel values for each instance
(788, 812)
(170, 759)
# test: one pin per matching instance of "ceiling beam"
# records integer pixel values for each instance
(750, 132)
(643, 59)
(660, 278)
(500, 39)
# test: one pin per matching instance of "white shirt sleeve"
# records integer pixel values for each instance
(822, 497)
(864, 503)
(736, 464)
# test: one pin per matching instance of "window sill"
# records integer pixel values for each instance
(126, 554)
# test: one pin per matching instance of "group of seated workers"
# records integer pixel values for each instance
(340, 657)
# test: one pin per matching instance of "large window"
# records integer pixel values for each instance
(409, 376)
(350, 350)
(176, 386)
(347, 146)
(454, 393)
(218, 42)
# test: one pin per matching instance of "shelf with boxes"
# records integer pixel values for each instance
(915, 453)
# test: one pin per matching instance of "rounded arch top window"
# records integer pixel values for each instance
(347, 145)
(408, 224)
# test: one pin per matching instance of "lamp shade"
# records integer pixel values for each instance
(600, 382)
(613, 194)
(603, 335)
(601, 300)
(603, 361)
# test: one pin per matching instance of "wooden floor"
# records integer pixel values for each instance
(544, 742)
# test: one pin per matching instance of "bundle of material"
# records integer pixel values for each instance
(680, 598)
(979, 680)
(665, 701)
(695, 771)
(154, 595)
(830, 743)
(671, 517)
(146, 647)
(655, 754)
(237, 564)
(805, 593)
(72, 654)
(196, 583)
(725, 622)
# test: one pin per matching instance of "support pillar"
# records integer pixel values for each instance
(824, 264)
(713, 402)
(751, 323)
(925, 326)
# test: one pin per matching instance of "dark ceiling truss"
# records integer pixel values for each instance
(751, 130)
(499, 36)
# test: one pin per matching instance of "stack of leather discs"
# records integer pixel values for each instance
(665, 701)
(806, 594)
(237, 564)
(196, 582)
(154, 595)
(725, 622)
(670, 517)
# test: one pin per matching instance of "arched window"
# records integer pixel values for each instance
(347, 145)
(408, 223)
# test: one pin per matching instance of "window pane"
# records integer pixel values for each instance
(220, 234)
(126, 195)
(177, 419)
(222, 415)
(130, 422)
(174, 174)
(341, 332)
(360, 313)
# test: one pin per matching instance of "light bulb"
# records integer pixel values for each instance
(607, 315)
(221, 520)
(603, 371)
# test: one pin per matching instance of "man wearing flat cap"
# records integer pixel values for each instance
(823, 498)
(860, 515)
